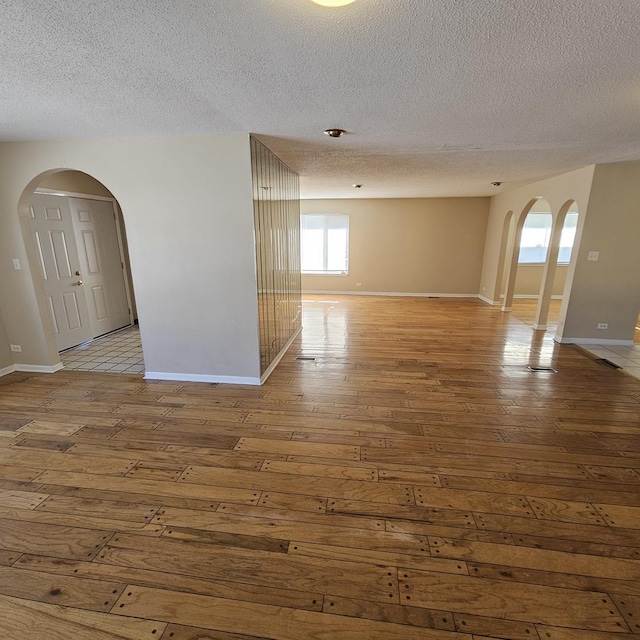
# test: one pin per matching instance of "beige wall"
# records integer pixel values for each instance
(529, 279)
(408, 245)
(607, 290)
(75, 182)
(187, 205)
(6, 359)
(558, 190)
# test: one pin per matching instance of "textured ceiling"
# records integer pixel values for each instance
(439, 97)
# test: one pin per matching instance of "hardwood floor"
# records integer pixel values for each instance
(415, 481)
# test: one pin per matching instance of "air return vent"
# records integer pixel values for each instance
(306, 358)
(542, 369)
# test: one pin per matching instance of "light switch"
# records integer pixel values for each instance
(593, 256)
(16, 264)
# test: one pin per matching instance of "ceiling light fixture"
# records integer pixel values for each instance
(357, 186)
(334, 133)
(496, 184)
(333, 3)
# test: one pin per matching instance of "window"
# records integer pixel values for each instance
(536, 234)
(325, 243)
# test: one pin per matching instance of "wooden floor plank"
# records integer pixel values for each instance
(214, 562)
(60, 541)
(23, 618)
(526, 603)
(252, 619)
(273, 595)
(57, 589)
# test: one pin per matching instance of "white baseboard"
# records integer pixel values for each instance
(195, 377)
(602, 341)
(526, 296)
(401, 294)
(540, 327)
(493, 303)
(279, 357)
(39, 368)
(7, 370)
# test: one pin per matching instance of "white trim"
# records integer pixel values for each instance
(389, 293)
(7, 370)
(602, 341)
(526, 296)
(506, 308)
(72, 194)
(493, 303)
(196, 377)
(117, 213)
(279, 357)
(39, 368)
(539, 327)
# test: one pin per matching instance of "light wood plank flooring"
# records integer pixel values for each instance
(415, 481)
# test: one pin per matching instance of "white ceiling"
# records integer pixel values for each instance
(440, 97)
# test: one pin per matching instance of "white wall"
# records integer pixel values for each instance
(187, 206)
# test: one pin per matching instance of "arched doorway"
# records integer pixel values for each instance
(541, 244)
(81, 260)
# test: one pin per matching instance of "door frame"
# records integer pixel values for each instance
(119, 224)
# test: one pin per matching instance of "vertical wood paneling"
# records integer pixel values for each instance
(276, 196)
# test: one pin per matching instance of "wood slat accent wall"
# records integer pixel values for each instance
(276, 202)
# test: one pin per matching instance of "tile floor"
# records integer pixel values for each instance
(626, 357)
(119, 352)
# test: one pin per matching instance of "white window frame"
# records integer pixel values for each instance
(546, 248)
(326, 217)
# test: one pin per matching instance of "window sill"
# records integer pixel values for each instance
(343, 274)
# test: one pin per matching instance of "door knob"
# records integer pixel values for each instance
(80, 283)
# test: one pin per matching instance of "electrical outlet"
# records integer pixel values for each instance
(358, 284)
(603, 325)
(16, 264)
(593, 256)
(16, 348)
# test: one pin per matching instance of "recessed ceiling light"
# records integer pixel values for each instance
(333, 3)
(357, 186)
(334, 133)
(496, 184)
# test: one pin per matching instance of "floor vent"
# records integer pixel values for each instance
(306, 358)
(610, 364)
(542, 369)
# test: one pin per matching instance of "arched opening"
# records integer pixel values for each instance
(544, 248)
(556, 278)
(504, 244)
(76, 243)
(508, 283)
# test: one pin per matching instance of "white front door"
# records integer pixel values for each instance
(54, 236)
(101, 265)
